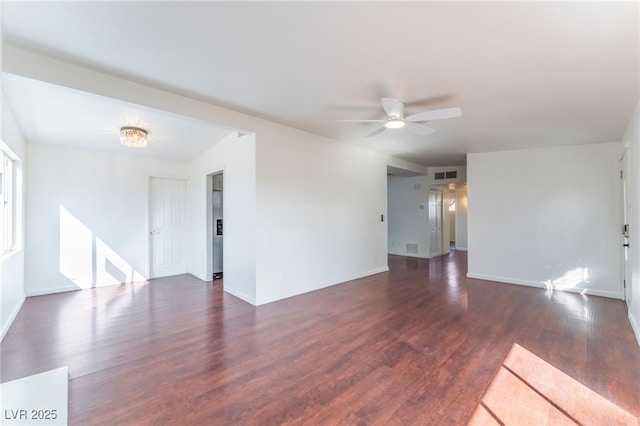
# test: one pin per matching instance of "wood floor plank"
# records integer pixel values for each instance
(419, 344)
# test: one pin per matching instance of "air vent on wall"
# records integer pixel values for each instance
(445, 175)
(412, 249)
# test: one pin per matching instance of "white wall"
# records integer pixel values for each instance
(632, 137)
(319, 205)
(12, 292)
(236, 157)
(86, 216)
(408, 207)
(547, 216)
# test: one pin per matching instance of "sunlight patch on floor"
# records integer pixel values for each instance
(527, 390)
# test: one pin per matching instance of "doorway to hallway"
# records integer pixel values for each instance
(217, 221)
(435, 222)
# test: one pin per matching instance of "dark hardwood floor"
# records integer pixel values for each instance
(417, 345)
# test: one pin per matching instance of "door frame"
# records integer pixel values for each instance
(210, 224)
(148, 177)
(441, 251)
(624, 219)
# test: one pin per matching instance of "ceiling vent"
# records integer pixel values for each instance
(445, 175)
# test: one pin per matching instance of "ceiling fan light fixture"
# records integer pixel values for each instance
(133, 136)
(394, 123)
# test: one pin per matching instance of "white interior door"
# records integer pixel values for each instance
(435, 222)
(167, 207)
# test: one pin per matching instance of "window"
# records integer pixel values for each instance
(8, 203)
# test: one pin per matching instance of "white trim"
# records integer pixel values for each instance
(344, 280)
(53, 290)
(361, 275)
(584, 291)
(199, 276)
(7, 254)
(12, 317)
(634, 326)
(208, 264)
(420, 256)
(441, 189)
(240, 295)
(461, 248)
(15, 193)
(147, 224)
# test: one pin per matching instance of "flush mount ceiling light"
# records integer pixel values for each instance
(394, 123)
(133, 136)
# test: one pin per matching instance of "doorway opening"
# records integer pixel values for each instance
(457, 214)
(451, 214)
(447, 218)
(626, 214)
(435, 222)
(215, 225)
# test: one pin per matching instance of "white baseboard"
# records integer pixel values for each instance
(199, 276)
(361, 275)
(420, 256)
(461, 248)
(14, 313)
(584, 291)
(53, 290)
(337, 281)
(635, 327)
(240, 295)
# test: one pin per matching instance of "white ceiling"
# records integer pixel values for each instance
(526, 74)
(57, 115)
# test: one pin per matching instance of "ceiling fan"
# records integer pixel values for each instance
(396, 119)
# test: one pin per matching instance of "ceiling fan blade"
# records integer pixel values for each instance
(393, 107)
(376, 132)
(438, 114)
(361, 121)
(420, 129)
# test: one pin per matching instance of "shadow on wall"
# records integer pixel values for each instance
(87, 261)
